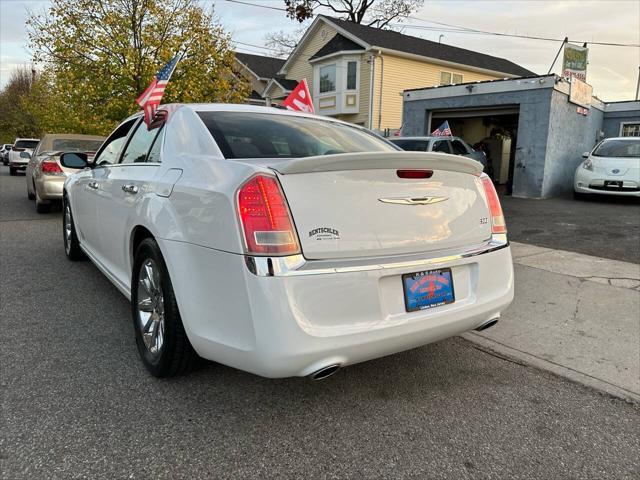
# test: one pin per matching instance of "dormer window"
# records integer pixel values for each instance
(336, 84)
(352, 75)
(328, 78)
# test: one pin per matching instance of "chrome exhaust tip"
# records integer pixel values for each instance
(324, 372)
(487, 324)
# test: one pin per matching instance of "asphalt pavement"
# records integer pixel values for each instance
(601, 226)
(77, 403)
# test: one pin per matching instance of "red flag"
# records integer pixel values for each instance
(300, 99)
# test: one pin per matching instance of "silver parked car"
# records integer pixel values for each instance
(454, 145)
(45, 174)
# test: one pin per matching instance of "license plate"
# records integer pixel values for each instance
(428, 289)
(612, 183)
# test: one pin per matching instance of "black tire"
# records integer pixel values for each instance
(40, 206)
(71, 243)
(176, 356)
(12, 171)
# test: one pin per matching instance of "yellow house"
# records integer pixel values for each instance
(357, 73)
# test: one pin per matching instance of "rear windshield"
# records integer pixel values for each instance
(76, 145)
(26, 143)
(618, 148)
(264, 135)
(412, 145)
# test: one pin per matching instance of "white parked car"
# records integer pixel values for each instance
(285, 244)
(611, 168)
(20, 154)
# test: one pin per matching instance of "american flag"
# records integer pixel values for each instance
(150, 98)
(443, 130)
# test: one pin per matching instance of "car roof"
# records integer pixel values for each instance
(47, 140)
(426, 137)
(233, 107)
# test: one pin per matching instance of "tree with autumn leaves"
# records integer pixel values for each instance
(97, 56)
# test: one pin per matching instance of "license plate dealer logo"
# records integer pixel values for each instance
(428, 289)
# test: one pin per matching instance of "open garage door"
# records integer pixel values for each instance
(491, 129)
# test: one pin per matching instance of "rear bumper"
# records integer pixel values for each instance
(293, 325)
(50, 186)
(18, 165)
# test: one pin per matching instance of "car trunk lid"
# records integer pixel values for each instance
(356, 205)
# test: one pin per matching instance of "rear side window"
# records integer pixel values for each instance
(139, 144)
(27, 144)
(264, 135)
(459, 148)
(412, 145)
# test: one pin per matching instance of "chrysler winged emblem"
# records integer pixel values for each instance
(413, 200)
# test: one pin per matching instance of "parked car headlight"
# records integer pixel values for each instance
(588, 164)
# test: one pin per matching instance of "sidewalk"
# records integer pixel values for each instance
(575, 315)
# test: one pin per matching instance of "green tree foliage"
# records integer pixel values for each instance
(15, 119)
(99, 55)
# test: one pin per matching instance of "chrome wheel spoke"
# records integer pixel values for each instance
(151, 307)
(145, 305)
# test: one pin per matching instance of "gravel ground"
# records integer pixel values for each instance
(77, 403)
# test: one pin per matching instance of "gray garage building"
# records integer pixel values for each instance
(534, 134)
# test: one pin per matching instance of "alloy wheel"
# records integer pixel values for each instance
(151, 307)
(67, 228)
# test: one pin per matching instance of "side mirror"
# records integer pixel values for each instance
(74, 160)
(25, 155)
(585, 155)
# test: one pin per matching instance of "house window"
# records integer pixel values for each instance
(448, 78)
(630, 130)
(328, 78)
(352, 72)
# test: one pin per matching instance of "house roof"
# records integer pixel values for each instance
(286, 83)
(263, 67)
(426, 48)
(338, 43)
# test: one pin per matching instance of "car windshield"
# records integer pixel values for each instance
(26, 143)
(618, 148)
(263, 135)
(76, 145)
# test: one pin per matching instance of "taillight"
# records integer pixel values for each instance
(497, 218)
(51, 167)
(265, 217)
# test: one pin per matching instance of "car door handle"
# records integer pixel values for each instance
(93, 185)
(130, 188)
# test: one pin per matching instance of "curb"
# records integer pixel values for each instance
(513, 354)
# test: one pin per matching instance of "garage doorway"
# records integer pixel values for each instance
(493, 130)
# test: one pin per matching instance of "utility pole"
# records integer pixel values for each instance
(638, 86)
(566, 40)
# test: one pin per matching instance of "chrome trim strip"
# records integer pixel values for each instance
(297, 265)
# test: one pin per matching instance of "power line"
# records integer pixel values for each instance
(462, 29)
(256, 5)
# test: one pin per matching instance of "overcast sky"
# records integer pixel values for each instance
(613, 71)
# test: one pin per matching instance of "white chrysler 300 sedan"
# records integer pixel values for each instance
(285, 244)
